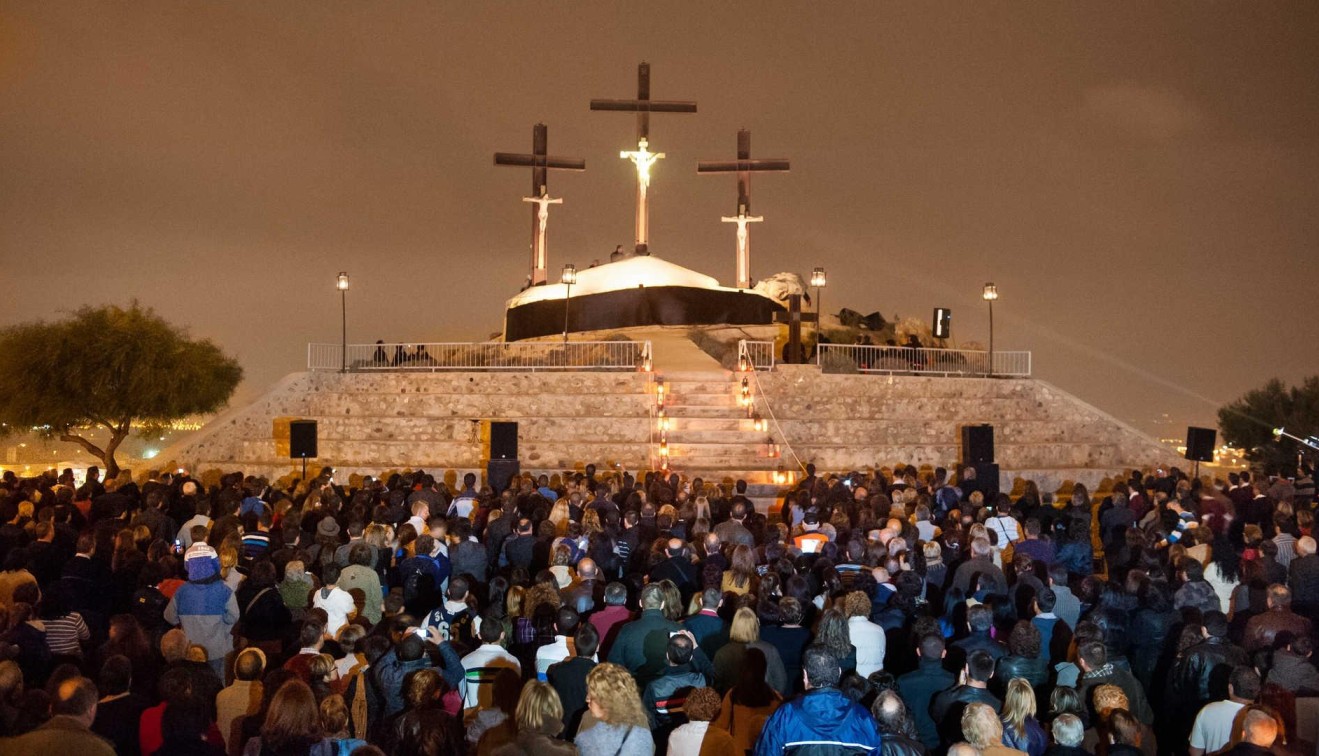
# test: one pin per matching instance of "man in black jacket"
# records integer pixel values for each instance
(678, 568)
(918, 688)
(947, 707)
(568, 678)
(1201, 674)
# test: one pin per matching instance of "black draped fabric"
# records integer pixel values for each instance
(641, 306)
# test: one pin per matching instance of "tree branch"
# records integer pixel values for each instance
(84, 443)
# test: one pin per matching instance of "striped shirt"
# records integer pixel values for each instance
(64, 633)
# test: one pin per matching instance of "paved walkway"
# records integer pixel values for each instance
(673, 352)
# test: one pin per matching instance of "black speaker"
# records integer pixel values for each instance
(943, 323)
(503, 440)
(498, 472)
(977, 444)
(987, 479)
(302, 439)
(1200, 444)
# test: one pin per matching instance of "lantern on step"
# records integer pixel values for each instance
(745, 393)
(759, 423)
(771, 448)
(659, 393)
(780, 477)
(664, 422)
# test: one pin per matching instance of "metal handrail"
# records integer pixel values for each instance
(898, 360)
(755, 355)
(528, 356)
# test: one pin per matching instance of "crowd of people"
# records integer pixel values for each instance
(899, 612)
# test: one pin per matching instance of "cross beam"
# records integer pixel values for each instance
(642, 157)
(540, 163)
(794, 352)
(744, 166)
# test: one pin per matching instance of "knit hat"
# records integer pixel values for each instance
(201, 562)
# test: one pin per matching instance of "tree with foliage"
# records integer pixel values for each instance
(1248, 422)
(108, 368)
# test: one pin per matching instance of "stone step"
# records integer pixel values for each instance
(701, 387)
(725, 399)
(684, 436)
(740, 424)
(427, 429)
(684, 412)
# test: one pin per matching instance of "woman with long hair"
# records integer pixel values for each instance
(749, 703)
(1223, 572)
(622, 728)
(740, 577)
(743, 635)
(127, 638)
(833, 634)
(1020, 728)
(292, 726)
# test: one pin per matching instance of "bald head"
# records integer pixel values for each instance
(675, 547)
(587, 570)
(76, 698)
(1259, 728)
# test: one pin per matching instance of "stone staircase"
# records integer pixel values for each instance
(711, 437)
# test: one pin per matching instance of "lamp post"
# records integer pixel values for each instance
(569, 278)
(342, 285)
(989, 295)
(818, 280)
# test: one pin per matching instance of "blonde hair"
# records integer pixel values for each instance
(746, 626)
(1018, 705)
(334, 715)
(539, 709)
(1109, 697)
(513, 601)
(980, 726)
(228, 560)
(614, 690)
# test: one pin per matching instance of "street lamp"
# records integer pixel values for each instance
(569, 278)
(989, 295)
(818, 280)
(342, 285)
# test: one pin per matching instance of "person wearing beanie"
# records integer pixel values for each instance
(204, 606)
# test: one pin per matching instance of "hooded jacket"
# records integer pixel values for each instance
(204, 606)
(821, 722)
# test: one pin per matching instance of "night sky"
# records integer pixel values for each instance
(1139, 179)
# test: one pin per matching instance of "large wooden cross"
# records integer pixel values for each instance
(541, 163)
(642, 157)
(743, 167)
(794, 353)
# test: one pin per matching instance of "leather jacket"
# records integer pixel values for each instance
(1192, 674)
(1264, 628)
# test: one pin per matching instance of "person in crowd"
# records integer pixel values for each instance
(699, 736)
(1020, 728)
(619, 725)
(822, 715)
(68, 731)
(1214, 725)
(539, 719)
(568, 678)
(749, 703)
(981, 728)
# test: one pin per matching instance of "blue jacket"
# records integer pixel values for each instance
(207, 610)
(821, 722)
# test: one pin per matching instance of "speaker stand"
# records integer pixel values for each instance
(304, 469)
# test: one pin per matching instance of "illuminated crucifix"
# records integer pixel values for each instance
(541, 163)
(642, 157)
(743, 167)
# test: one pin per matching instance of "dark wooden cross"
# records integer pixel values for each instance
(643, 106)
(794, 353)
(541, 163)
(743, 167)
